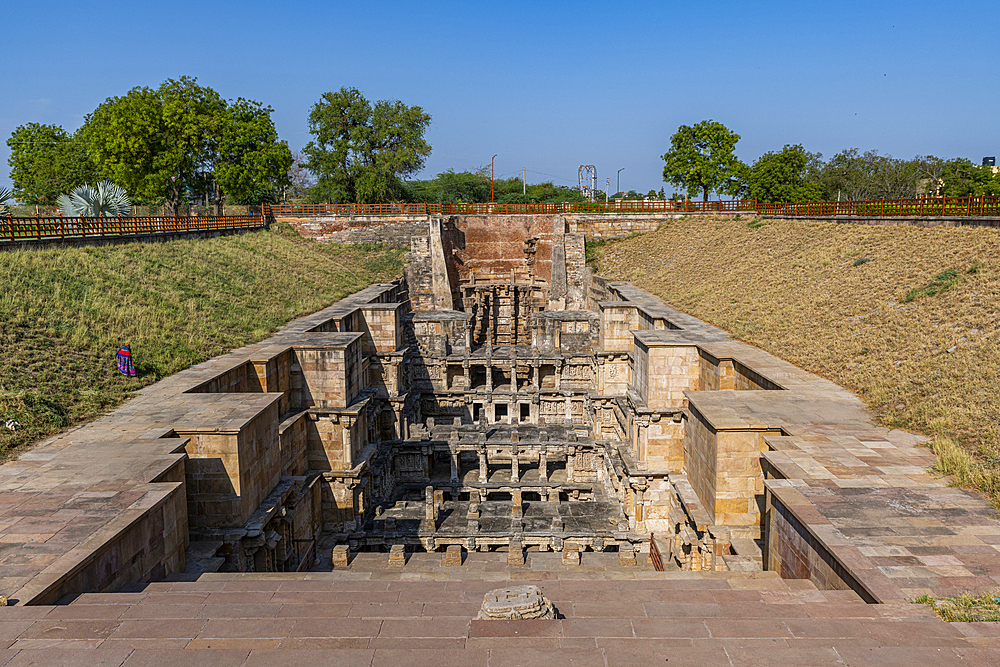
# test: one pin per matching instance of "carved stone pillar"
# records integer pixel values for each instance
(483, 464)
(517, 511)
(515, 474)
(430, 512)
(570, 464)
(543, 465)
(345, 430)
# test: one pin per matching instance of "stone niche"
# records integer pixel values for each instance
(567, 331)
(442, 332)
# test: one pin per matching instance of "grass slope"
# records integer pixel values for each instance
(65, 311)
(905, 317)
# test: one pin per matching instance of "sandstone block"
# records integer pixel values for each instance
(397, 555)
(453, 555)
(341, 555)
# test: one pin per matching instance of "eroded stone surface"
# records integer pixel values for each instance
(515, 603)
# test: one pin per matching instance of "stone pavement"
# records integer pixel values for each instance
(869, 496)
(352, 617)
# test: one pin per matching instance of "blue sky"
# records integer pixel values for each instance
(546, 86)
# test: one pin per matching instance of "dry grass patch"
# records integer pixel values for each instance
(966, 608)
(65, 311)
(913, 329)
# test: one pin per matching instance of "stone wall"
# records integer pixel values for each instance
(795, 553)
(395, 231)
(398, 230)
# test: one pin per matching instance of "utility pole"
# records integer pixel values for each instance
(524, 181)
(620, 180)
(607, 189)
(491, 178)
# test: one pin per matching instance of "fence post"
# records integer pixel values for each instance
(38, 230)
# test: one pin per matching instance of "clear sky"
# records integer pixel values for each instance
(547, 86)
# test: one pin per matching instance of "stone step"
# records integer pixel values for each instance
(318, 618)
(231, 622)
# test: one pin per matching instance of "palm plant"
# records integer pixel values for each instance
(91, 201)
(5, 196)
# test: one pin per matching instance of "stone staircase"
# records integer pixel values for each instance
(423, 613)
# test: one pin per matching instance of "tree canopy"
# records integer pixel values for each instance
(701, 159)
(184, 139)
(361, 150)
(451, 187)
(46, 161)
(786, 176)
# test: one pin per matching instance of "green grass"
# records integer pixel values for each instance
(65, 311)
(965, 608)
(939, 283)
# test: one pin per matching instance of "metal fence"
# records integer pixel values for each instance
(908, 208)
(656, 206)
(55, 227)
(925, 206)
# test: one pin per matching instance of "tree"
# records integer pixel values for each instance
(46, 161)
(250, 163)
(300, 180)
(861, 176)
(361, 150)
(787, 176)
(184, 140)
(157, 143)
(701, 158)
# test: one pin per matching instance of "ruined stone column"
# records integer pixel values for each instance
(472, 517)
(515, 473)
(570, 464)
(483, 464)
(517, 511)
(454, 465)
(543, 462)
(430, 513)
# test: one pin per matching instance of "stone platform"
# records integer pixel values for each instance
(381, 618)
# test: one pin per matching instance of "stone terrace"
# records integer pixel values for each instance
(61, 502)
(423, 614)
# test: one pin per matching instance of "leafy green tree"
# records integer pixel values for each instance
(157, 143)
(450, 187)
(701, 159)
(786, 176)
(250, 163)
(860, 176)
(361, 150)
(46, 161)
(960, 177)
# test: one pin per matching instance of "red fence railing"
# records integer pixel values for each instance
(655, 206)
(52, 227)
(654, 554)
(924, 206)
